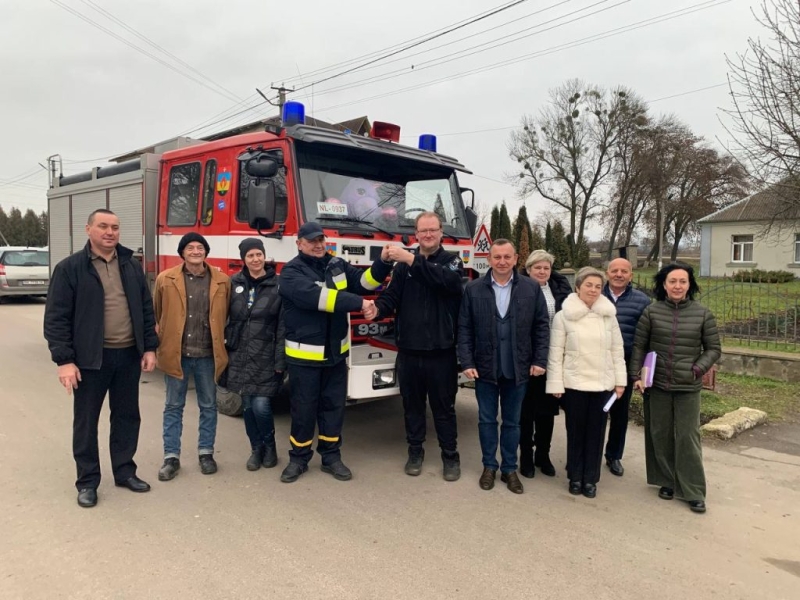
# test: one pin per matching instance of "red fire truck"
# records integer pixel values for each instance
(364, 191)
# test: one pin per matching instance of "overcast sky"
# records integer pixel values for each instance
(70, 88)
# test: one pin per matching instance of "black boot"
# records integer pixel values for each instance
(526, 463)
(270, 458)
(414, 463)
(451, 463)
(256, 456)
(542, 461)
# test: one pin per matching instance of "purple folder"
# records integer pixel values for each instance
(648, 369)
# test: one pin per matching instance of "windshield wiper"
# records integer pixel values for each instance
(354, 222)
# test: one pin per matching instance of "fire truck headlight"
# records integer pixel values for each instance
(383, 378)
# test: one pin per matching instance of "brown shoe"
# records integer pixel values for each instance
(512, 482)
(487, 479)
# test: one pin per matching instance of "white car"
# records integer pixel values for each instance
(24, 271)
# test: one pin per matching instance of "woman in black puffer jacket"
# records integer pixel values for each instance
(539, 409)
(255, 341)
(683, 334)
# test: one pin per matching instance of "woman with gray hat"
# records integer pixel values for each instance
(255, 341)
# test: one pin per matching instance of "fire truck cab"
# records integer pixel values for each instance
(364, 191)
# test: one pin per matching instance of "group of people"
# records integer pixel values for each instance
(531, 344)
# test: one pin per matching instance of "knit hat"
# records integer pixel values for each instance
(190, 237)
(248, 244)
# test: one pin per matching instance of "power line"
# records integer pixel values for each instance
(414, 40)
(415, 44)
(545, 52)
(221, 92)
(151, 43)
(435, 62)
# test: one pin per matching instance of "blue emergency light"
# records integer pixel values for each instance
(294, 113)
(427, 142)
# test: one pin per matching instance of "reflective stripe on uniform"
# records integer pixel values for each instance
(368, 281)
(325, 438)
(327, 300)
(346, 344)
(340, 281)
(301, 444)
(305, 351)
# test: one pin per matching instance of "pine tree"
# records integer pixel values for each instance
(559, 248)
(31, 229)
(537, 242)
(3, 225)
(524, 249)
(504, 228)
(494, 223)
(548, 238)
(14, 232)
(521, 223)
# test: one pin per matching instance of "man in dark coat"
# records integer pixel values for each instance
(503, 339)
(100, 329)
(630, 304)
(425, 293)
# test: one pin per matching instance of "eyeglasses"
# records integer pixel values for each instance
(428, 231)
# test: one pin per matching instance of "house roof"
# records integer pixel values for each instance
(761, 206)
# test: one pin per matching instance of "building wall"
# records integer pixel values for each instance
(772, 252)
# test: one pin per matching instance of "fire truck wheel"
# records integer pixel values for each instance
(228, 403)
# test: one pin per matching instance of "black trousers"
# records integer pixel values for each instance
(618, 425)
(433, 377)
(319, 395)
(586, 429)
(537, 420)
(119, 378)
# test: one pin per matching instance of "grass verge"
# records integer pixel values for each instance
(778, 399)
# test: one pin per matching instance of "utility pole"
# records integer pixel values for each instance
(281, 97)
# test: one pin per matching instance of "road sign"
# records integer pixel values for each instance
(482, 242)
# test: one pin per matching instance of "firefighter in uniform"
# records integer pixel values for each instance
(318, 292)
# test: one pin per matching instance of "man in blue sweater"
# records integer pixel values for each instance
(630, 304)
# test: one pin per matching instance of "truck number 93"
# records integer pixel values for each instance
(371, 328)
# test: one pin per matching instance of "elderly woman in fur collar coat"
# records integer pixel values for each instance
(586, 364)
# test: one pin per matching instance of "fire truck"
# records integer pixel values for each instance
(365, 191)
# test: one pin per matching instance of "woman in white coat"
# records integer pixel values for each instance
(585, 365)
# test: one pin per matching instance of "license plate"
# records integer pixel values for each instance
(32, 282)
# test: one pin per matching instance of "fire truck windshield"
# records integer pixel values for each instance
(373, 191)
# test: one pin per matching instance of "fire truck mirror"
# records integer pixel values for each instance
(262, 166)
(261, 203)
(472, 220)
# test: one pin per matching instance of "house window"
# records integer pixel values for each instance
(184, 189)
(742, 248)
(797, 247)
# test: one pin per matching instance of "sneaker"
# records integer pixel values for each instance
(292, 472)
(698, 506)
(451, 469)
(208, 466)
(256, 456)
(338, 470)
(270, 456)
(666, 493)
(169, 469)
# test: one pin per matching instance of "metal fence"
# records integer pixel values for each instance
(750, 313)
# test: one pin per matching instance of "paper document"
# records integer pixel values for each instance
(610, 402)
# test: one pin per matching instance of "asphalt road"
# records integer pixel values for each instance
(239, 534)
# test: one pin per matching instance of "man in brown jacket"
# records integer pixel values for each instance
(191, 309)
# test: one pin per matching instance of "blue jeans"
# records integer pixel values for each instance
(203, 371)
(258, 421)
(510, 395)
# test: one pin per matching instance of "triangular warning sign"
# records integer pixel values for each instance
(482, 242)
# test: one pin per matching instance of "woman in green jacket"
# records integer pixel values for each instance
(683, 333)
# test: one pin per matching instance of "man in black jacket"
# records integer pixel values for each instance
(503, 339)
(100, 329)
(425, 293)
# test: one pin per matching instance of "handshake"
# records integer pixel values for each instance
(391, 253)
(369, 309)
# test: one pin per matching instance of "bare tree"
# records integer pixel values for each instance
(764, 83)
(566, 154)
